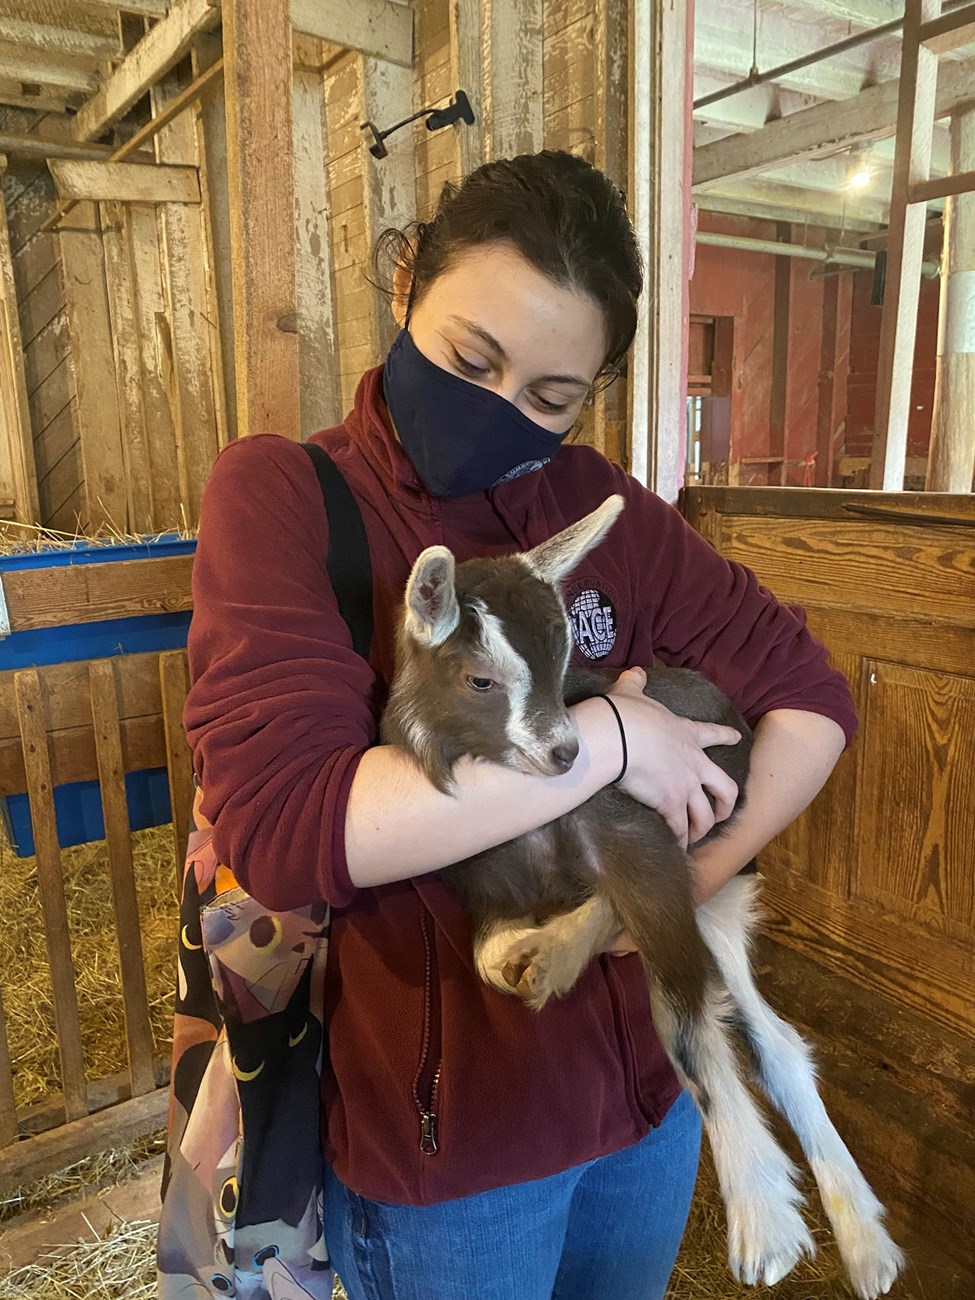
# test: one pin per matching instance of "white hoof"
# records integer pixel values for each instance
(766, 1241)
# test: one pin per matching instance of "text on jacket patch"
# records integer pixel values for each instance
(593, 620)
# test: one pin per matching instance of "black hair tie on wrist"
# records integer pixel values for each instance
(622, 738)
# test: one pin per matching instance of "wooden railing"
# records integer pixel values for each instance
(83, 721)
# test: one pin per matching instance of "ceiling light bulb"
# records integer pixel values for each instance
(860, 179)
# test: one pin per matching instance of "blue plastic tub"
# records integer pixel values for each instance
(78, 807)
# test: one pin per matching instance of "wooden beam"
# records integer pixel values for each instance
(948, 32)
(148, 8)
(258, 87)
(62, 40)
(826, 128)
(951, 454)
(160, 49)
(125, 182)
(661, 47)
(941, 187)
(32, 146)
(383, 28)
(47, 99)
(916, 111)
(45, 69)
(742, 201)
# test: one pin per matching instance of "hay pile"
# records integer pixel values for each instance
(25, 971)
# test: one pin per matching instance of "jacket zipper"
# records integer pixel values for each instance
(426, 1086)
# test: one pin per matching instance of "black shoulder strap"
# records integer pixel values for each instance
(348, 562)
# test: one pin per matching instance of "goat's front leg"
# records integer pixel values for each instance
(786, 1073)
(538, 962)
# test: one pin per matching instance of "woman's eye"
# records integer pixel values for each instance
(551, 408)
(468, 367)
(480, 683)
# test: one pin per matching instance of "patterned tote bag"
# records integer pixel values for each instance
(242, 1184)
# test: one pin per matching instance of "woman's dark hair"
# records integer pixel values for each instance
(563, 215)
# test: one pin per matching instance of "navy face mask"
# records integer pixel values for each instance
(460, 437)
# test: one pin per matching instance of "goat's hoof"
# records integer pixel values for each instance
(766, 1242)
(872, 1260)
(514, 970)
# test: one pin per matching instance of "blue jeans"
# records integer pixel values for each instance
(608, 1228)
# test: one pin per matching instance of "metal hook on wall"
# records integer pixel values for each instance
(459, 110)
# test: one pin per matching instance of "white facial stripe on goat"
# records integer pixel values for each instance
(515, 672)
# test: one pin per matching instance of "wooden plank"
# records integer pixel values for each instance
(905, 251)
(660, 39)
(34, 146)
(184, 264)
(173, 686)
(85, 593)
(513, 96)
(93, 361)
(63, 71)
(257, 50)
(125, 182)
(160, 49)
(73, 756)
(67, 689)
(465, 20)
(128, 370)
(8, 1102)
(816, 503)
(948, 32)
(46, 1235)
(18, 475)
(209, 123)
(389, 184)
(60, 39)
(826, 128)
(40, 1116)
(317, 343)
(150, 8)
(125, 902)
(154, 339)
(33, 730)
(32, 1158)
(383, 28)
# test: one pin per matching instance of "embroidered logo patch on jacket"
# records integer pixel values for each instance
(593, 618)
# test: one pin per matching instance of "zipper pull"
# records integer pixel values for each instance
(428, 1133)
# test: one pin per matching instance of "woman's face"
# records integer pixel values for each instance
(495, 320)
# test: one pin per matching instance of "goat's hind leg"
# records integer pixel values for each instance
(691, 1010)
(786, 1073)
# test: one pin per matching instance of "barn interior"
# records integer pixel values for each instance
(192, 190)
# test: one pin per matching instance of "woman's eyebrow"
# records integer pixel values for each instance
(491, 342)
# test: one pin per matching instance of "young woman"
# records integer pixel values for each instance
(474, 1148)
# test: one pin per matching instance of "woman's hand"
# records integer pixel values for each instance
(667, 767)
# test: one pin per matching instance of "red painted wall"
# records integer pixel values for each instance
(864, 350)
(741, 284)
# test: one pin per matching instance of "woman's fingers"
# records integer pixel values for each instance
(701, 816)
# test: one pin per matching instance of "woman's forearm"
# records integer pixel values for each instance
(793, 755)
(398, 825)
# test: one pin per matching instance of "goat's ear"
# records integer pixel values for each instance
(553, 559)
(432, 612)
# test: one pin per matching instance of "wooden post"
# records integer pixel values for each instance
(951, 456)
(833, 366)
(905, 250)
(257, 84)
(661, 43)
(466, 67)
(779, 392)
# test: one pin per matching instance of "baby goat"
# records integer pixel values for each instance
(482, 669)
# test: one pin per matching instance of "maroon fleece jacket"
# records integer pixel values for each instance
(280, 710)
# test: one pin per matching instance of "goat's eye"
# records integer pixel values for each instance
(480, 683)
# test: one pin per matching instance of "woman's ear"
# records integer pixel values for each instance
(402, 284)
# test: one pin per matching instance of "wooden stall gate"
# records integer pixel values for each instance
(876, 882)
(82, 721)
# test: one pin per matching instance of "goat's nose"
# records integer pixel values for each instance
(564, 755)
